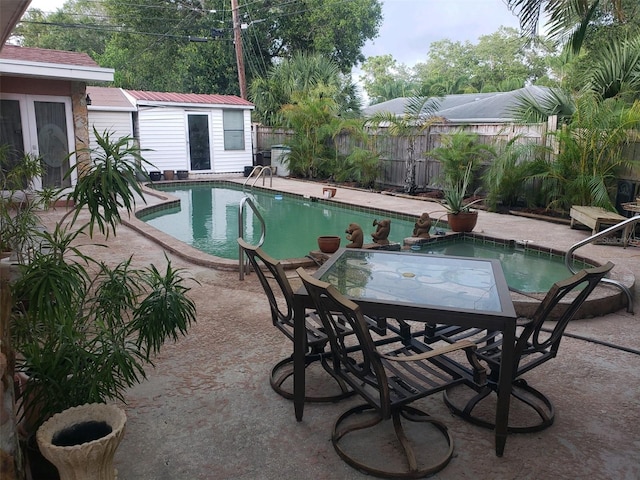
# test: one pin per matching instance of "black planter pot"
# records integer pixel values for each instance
(155, 176)
(182, 174)
(38, 467)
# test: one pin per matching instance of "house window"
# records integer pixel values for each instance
(233, 124)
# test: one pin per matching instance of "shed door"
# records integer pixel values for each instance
(199, 144)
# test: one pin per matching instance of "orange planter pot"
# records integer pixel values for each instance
(328, 243)
(463, 221)
(328, 192)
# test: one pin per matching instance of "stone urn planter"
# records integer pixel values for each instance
(81, 441)
(328, 243)
(462, 221)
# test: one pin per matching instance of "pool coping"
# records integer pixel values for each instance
(600, 302)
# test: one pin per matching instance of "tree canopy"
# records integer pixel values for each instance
(187, 45)
(301, 76)
(500, 61)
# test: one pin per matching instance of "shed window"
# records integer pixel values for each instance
(233, 124)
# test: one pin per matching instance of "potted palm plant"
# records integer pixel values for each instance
(460, 216)
(460, 155)
(84, 330)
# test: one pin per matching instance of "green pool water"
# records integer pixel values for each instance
(207, 219)
(526, 270)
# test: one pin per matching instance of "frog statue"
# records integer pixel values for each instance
(383, 227)
(355, 236)
(422, 226)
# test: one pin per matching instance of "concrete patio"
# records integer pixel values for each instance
(207, 410)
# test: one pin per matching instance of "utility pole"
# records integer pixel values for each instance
(237, 40)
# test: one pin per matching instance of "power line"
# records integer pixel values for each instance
(269, 15)
(108, 28)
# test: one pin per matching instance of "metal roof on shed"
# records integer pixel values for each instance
(187, 98)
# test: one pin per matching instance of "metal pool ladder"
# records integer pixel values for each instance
(620, 226)
(244, 266)
(261, 172)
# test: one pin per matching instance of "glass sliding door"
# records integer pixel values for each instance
(199, 142)
(40, 126)
(11, 131)
(53, 143)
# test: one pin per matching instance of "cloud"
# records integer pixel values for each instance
(410, 26)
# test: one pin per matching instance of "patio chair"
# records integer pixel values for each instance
(280, 295)
(389, 382)
(535, 344)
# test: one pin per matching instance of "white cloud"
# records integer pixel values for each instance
(410, 26)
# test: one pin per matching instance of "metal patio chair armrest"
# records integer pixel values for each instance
(479, 371)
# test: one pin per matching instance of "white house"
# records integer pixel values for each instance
(200, 133)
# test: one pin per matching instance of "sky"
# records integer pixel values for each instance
(410, 26)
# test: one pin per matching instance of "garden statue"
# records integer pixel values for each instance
(383, 227)
(422, 226)
(355, 236)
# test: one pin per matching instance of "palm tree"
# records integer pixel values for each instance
(591, 152)
(538, 108)
(297, 77)
(419, 114)
(616, 71)
(567, 19)
(313, 118)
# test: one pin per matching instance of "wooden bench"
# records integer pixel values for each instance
(596, 218)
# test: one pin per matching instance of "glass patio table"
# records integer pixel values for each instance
(468, 292)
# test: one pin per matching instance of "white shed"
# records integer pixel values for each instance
(110, 110)
(195, 132)
(199, 133)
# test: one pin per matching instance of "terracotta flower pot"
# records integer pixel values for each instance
(328, 192)
(328, 243)
(463, 221)
(168, 174)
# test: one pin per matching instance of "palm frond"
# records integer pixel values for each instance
(535, 109)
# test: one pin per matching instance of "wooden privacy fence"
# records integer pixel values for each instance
(395, 149)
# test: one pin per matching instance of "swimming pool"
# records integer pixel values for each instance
(207, 219)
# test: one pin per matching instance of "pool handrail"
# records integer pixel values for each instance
(623, 225)
(247, 201)
(260, 170)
